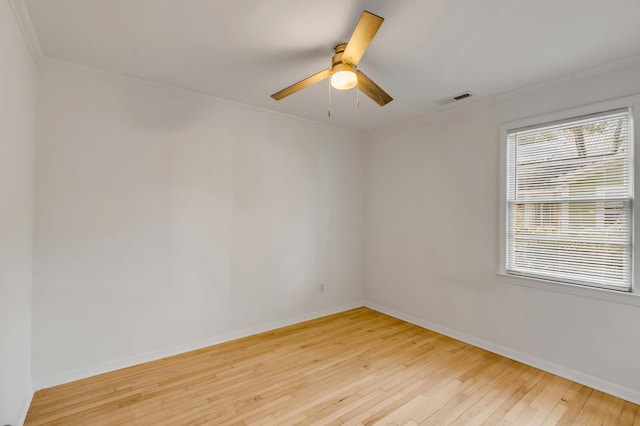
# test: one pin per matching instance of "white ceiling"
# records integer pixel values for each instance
(425, 50)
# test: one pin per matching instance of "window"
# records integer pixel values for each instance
(569, 201)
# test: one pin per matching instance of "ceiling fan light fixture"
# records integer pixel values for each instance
(344, 77)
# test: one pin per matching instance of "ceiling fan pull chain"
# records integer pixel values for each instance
(357, 97)
(329, 110)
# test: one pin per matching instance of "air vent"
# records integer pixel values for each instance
(456, 98)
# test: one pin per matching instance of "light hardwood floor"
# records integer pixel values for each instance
(356, 367)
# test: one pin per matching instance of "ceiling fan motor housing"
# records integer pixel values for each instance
(337, 57)
(337, 64)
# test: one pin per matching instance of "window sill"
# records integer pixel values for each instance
(571, 289)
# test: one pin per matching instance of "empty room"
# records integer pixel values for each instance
(328, 212)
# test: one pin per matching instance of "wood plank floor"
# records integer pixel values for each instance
(356, 367)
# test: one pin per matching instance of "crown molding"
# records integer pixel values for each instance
(167, 89)
(24, 21)
(519, 92)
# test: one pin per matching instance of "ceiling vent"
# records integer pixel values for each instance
(456, 98)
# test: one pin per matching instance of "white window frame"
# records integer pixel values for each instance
(632, 297)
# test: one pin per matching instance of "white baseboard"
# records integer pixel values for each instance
(24, 409)
(631, 395)
(105, 367)
(559, 370)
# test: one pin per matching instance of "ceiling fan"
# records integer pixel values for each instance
(343, 71)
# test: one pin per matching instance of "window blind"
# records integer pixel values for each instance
(569, 201)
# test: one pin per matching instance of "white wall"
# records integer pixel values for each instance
(431, 246)
(164, 219)
(17, 116)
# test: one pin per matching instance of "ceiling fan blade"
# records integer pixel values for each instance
(362, 35)
(372, 90)
(302, 84)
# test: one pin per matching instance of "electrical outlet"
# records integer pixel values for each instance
(321, 288)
